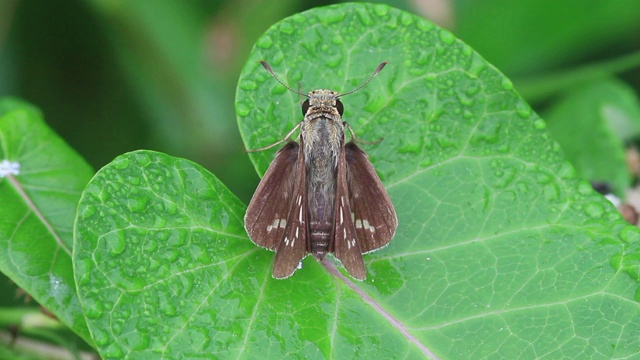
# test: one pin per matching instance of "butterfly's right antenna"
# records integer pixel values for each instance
(266, 66)
(375, 73)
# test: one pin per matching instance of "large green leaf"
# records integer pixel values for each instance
(501, 251)
(38, 202)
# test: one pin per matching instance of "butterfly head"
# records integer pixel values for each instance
(322, 100)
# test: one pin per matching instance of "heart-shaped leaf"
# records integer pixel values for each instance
(501, 251)
(41, 179)
(158, 244)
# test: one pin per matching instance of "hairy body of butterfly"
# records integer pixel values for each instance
(320, 195)
(322, 137)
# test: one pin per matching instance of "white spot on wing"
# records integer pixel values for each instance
(364, 224)
(277, 223)
(341, 216)
(367, 226)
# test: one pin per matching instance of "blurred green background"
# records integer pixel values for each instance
(113, 76)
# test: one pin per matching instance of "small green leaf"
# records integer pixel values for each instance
(591, 124)
(38, 200)
(161, 258)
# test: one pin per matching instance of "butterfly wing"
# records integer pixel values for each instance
(269, 208)
(293, 247)
(345, 244)
(374, 217)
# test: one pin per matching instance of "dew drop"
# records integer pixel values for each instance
(88, 212)
(139, 340)
(242, 109)
(138, 204)
(542, 178)
(374, 104)
(100, 337)
(116, 327)
(539, 124)
(567, 171)
(334, 61)
(170, 207)
(506, 84)
(265, 42)
(426, 162)
(381, 9)
(431, 77)
(168, 309)
(172, 255)
(93, 310)
(406, 19)
(523, 110)
(149, 246)
(630, 235)
(584, 188)
(287, 27)
(334, 16)
(113, 352)
(128, 281)
(594, 210)
(122, 163)
(134, 180)
(424, 25)
(409, 146)
(248, 84)
(143, 159)
(476, 65)
(115, 242)
(447, 37)
(224, 219)
(84, 269)
(551, 192)
(472, 89)
(160, 222)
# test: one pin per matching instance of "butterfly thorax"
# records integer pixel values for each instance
(322, 134)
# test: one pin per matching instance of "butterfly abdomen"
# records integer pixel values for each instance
(323, 142)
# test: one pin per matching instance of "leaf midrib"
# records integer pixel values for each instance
(32, 206)
(397, 324)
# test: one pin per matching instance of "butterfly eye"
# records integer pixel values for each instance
(339, 106)
(305, 107)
